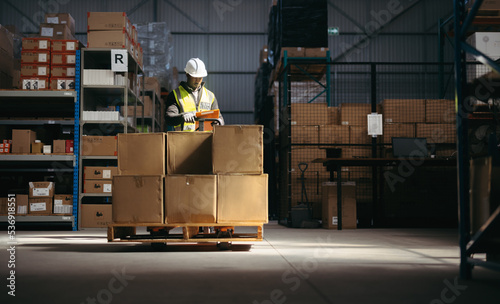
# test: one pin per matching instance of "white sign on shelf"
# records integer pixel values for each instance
(375, 124)
(119, 60)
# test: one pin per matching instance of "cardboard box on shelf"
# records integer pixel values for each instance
(242, 198)
(36, 44)
(152, 84)
(189, 152)
(4, 206)
(59, 146)
(99, 145)
(403, 110)
(247, 154)
(55, 31)
(138, 199)
(333, 117)
(315, 52)
(22, 204)
(61, 18)
(329, 205)
(35, 83)
(354, 114)
(22, 140)
(333, 134)
(69, 145)
(62, 71)
(36, 147)
(141, 154)
(305, 135)
(62, 83)
(309, 114)
(91, 172)
(63, 59)
(440, 111)
(47, 149)
(41, 189)
(397, 130)
(108, 21)
(38, 70)
(40, 206)
(191, 199)
(97, 186)
(96, 215)
(437, 133)
(359, 135)
(40, 57)
(63, 204)
(108, 39)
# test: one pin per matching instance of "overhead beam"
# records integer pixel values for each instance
(186, 16)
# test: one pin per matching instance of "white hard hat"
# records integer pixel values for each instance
(196, 68)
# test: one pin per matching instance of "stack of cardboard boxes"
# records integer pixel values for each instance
(25, 142)
(41, 200)
(191, 177)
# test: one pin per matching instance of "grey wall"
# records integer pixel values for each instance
(228, 34)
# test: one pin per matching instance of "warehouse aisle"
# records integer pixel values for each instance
(289, 266)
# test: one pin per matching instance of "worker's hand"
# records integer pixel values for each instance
(189, 116)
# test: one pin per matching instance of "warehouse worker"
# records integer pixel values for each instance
(190, 97)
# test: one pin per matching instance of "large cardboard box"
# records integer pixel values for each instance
(61, 18)
(22, 204)
(190, 199)
(141, 153)
(305, 135)
(22, 140)
(99, 146)
(333, 134)
(437, 133)
(242, 198)
(40, 206)
(36, 44)
(40, 57)
(138, 199)
(333, 117)
(309, 114)
(440, 111)
(359, 135)
(238, 149)
(40, 70)
(98, 186)
(397, 130)
(108, 39)
(41, 189)
(189, 152)
(329, 205)
(354, 114)
(403, 110)
(95, 215)
(91, 172)
(63, 204)
(107, 21)
(55, 31)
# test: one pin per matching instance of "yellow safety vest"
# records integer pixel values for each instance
(187, 103)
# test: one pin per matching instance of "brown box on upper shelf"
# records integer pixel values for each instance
(61, 18)
(99, 146)
(55, 31)
(41, 189)
(22, 140)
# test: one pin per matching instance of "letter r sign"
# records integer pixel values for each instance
(119, 60)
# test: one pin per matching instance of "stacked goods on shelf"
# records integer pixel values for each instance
(59, 26)
(62, 146)
(41, 195)
(25, 142)
(6, 58)
(191, 177)
(35, 63)
(63, 204)
(63, 64)
(98, 179)
(6, 146)
(156, 42)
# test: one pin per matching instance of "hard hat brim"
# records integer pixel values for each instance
(197, 75)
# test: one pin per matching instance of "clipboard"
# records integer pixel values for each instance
(207, 125)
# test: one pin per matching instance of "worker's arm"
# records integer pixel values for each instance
(173, 117)
(215, 106)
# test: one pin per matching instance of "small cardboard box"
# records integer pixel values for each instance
(191, 199)
(189, 152)
(95, 215)
(40, 57)
(22, 204)
(246, 152)
(63, 204)
(59, 146)
(404, 110)
(40, 206)
(41, 189)
(354, 114)
(242, 198)
(62, 83)
(64, 46)
(62, 71)
(329, 205)
(309, 114)
(55, 31)
(99, 146)
(38, 70)
(36, 44)
(440, 111)
(34, 83)
(141, 154)
(107, 21)
(36, 147)
(108, 39)
(97, 186)
(61, 18)
(22, 140)
(63, 59)
(138, 199)
(99, 172)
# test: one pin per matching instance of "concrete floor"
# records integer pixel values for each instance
(289, 266)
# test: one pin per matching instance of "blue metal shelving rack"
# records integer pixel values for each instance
(76, 144)
(468, 243)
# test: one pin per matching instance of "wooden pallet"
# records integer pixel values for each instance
(128, 233)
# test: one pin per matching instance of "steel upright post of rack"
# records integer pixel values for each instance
(76, 143)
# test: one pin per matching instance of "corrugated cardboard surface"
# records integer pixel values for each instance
(403, 110)
(397, 130)
(437, 133)
(238, 149)
(97, 186)
(4, 206)
(63, 204)
(99, 172)
(107, 39)
(359, 135)
(138, 199)
(99, 145)
(95, 215)
(242, 198)
(354, 114)
(41, 189)
(333, 116)
(141, 154)
(329, 205)
(59, 146)
(307, 114)
(333, 134)
(22, 204)
(440, 111)
(305, 134)
(189, 152)
(22, 140)
(190, 199)
(40, 206)
(106, 21)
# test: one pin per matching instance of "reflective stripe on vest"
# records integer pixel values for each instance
(187, 103)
